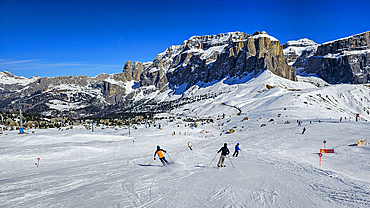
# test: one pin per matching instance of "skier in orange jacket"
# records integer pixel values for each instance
(160, 151)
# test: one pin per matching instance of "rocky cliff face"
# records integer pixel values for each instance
(203, 59)
(346, 60)
(199, 60)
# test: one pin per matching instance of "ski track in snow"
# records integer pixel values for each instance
(111, 172)
(277, 167)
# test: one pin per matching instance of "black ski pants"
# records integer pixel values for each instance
(163, 160)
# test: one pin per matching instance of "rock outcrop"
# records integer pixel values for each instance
(346, 60)
(203, 59)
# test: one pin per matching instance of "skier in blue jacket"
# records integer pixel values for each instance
(237, 148)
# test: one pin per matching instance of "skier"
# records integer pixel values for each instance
(304, 129)
(224, 151)
(160, 151)
(189, 145)
(237, 148)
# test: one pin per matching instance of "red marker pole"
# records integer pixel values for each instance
(324, 144)
(38, 162)
(133, 143)
(320, 155)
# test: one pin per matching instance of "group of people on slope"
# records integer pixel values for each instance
(224, 152)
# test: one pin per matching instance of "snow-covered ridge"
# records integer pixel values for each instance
(268, 91)
(298, 50)
(263, 34)
(345, 38)
(71, 96)
(200, 43)
(304, 42)
(218, 39)
(295, 48)
(299, 46)
(346, 53)
(8, 78)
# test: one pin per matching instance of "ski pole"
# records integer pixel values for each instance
(241, 152)
(150, 163)
(231, 162)
(168, 155)
(214, 158)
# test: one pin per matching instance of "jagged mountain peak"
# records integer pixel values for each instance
(203, 43)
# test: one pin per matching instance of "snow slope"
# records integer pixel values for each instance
(304, 98)
(278, 165)
(7, 78)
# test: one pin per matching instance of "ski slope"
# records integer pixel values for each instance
(277, 167)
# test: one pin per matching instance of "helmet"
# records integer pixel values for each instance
(238, 144)
(225, 145)
(158, 147)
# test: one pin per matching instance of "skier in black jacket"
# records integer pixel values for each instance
(224, 151)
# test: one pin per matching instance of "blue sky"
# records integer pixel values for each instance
(60, 38)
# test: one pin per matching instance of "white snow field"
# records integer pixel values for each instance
(277, 167)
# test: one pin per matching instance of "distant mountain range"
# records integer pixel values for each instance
(198, 62)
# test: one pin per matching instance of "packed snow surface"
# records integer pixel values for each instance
(277, 167)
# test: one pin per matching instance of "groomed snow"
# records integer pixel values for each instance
(278, 165)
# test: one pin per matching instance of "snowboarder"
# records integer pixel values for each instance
(237, 148)
(160, 151)
(304, 129)
(224, 151)
(189, 145)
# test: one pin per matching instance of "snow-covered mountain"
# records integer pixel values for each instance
(295, 48)
(205, 59)
(346, 60)
(270, 92)
(183, 71)
(198, 61)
